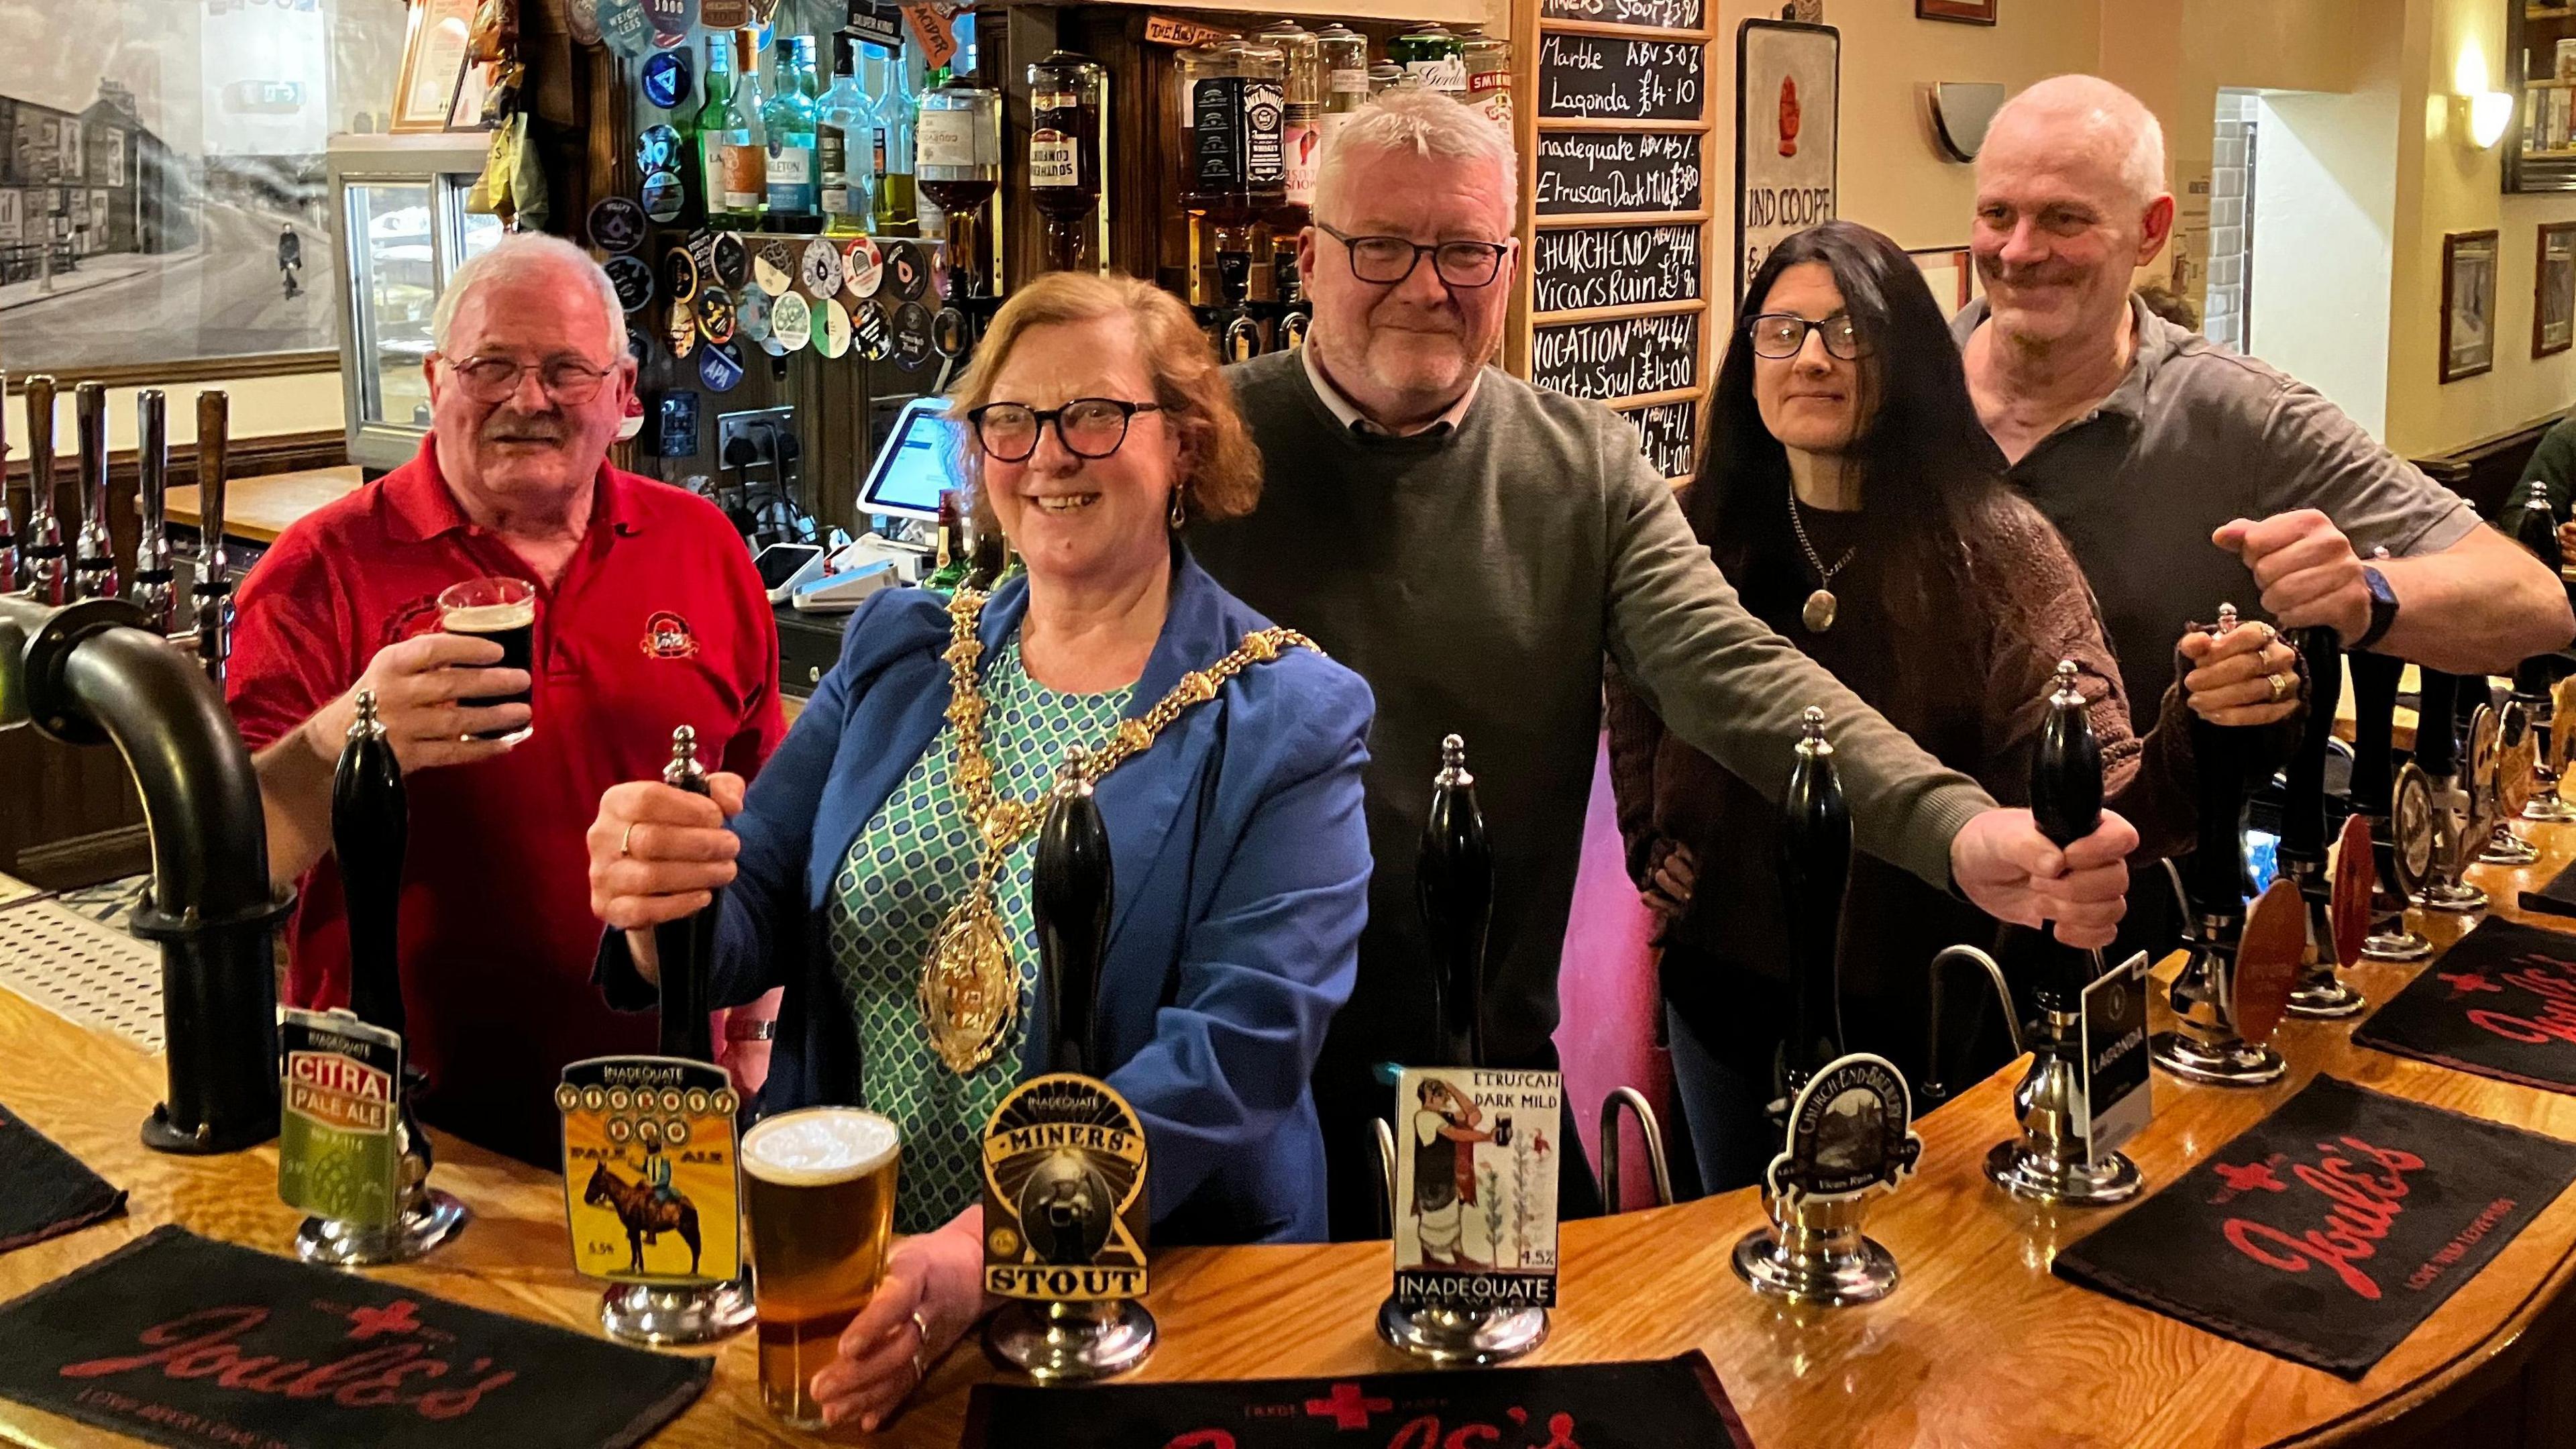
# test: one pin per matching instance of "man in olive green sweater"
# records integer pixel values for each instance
(1474, 547)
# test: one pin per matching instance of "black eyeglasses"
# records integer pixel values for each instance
(1783, 335)
(566, 379)
(1089, 427)
(1387, 260)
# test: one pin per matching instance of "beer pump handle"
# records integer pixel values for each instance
(1453, 881)
(2374, 712)
(2215, 874)
(151, 466)
(687, 946)
(8, 521)
(2066, 804)
(2303, 816)
(213, 590)
(95, 549)
(1072, 886)
(370, 828)
(40, 449)
(2535, 527)
(1815, 866)
(2437, 712)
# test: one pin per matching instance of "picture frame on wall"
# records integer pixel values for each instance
(1964, 12)
(2468, 304)
(1951, 273)
(2553, 290)
(1788, 143)
(433, 66)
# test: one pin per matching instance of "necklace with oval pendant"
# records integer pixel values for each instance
(1819, 612)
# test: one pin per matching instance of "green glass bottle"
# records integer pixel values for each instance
(841, 145)
(953, 561)
(788, 123)
(707, 132)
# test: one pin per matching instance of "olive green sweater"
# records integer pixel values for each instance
(1476, 579)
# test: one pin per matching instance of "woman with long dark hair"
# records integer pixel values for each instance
(1849, 492)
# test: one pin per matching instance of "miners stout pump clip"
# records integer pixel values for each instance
(349, 1151)
(1848, 1117)
(1064, 1155)
(651, 1178)
(1473, 1187)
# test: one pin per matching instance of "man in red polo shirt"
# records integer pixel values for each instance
(649, 615)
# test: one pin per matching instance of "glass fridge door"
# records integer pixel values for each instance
(394, 257)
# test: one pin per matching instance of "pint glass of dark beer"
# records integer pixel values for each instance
(818, 1186)
(505, 612)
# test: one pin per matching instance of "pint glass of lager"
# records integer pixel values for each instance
(505, 612)
(818, 1185)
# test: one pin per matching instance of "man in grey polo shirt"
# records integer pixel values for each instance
(2175, 468)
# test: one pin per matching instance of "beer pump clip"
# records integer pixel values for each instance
(2235, 986)
(2321, 993)
(2087, 1089)
(2433, 814)
(1849, 1115)
(2491, 841)
(1474, 1187)
(350, 1153)
(1064, 1154)
(44, 559)
(651, 1177)
(2396, 876)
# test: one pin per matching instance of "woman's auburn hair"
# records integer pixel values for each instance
(1224, 468)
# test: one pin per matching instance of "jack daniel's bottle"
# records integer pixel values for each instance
(1234, 105)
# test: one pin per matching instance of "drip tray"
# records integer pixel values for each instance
(82, 971)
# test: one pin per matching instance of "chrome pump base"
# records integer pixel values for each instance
(649, 1314)
(1462, 1337)
(1833, 1269)
(2506, 848)
(2233, 1062)
(2400, 944)
(2038, 1177)
(1055, 1343)
(2451, 896)
(432, 1219)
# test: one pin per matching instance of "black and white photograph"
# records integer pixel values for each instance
(2553, 290)
(2468, 304)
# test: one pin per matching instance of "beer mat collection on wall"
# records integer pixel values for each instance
(2330, 1229)
(2558, 898)
(181, 1340)
(45, 1191)
(1593, 1406)
(2501, 1003)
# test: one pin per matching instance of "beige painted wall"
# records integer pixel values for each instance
(260, 407)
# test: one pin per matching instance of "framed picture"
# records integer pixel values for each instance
(1965, 12)
(433, 66)
(164, 187)
(1951, 273)
(2553, 290)
(1788, 105)
(2468, 304)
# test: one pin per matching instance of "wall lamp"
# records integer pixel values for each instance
(2483, 117)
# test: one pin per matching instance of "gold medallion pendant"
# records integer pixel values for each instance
(970, 993)
(1819, 612)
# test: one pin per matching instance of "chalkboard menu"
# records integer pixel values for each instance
(1661, 14)
(1621, 235)
(1593, 77)
(1669, 434)
(1581, 172)
(1575, 268)
(1617, 357)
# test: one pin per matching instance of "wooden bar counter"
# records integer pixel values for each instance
(1980, 1346)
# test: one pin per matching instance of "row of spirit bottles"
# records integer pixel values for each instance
(782, 154)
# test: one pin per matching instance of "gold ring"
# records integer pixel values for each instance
(628, 838)
(2280, 686)
(920, 1370)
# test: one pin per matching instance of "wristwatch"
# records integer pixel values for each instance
(2383, 608)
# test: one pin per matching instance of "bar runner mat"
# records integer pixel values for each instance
(45, 1191)
(2501, 1003)
(1574, 1406)
(2330, 1229)
(185, 1341)
(2558, 898)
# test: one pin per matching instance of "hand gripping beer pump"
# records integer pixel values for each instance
(651, 1184)
(1849, 1115)
(2086, 1091)
(1474, 1192)
(350, 1152)
(1064, 1154)
(2236, 984)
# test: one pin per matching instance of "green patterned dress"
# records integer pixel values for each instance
(902, 873)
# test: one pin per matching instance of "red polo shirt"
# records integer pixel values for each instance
(659, 620)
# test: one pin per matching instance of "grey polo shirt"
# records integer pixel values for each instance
(2192, 437)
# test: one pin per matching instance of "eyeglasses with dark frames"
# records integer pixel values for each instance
(566, 379)
(1089, 427)
(1388, 260)
(1783, 335)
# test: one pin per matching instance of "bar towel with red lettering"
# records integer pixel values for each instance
(2501, 1003)
(2330, 1229)
(2558, 898)
(45, 1191)
(182, 1340)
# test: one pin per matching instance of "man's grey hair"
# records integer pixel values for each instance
(1424, 122)
(516, 256)
(2135, 138)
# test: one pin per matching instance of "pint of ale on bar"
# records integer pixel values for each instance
(818, 1186)
(505, 612)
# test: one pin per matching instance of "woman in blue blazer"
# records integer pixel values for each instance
(1097, 423)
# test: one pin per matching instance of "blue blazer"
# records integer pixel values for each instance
(1241, 856)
